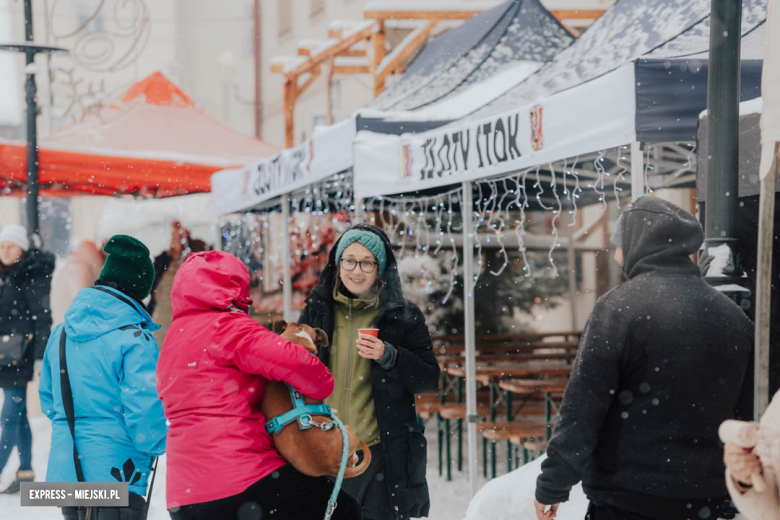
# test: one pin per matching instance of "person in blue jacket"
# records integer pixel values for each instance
(111, 359)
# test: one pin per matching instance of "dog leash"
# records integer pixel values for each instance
(332, 504)
(302, 413)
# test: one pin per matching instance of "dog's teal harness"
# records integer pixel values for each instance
(303, 413)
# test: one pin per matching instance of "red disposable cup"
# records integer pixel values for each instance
(369, 332)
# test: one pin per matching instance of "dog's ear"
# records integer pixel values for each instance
(321, 338)
(279, 326)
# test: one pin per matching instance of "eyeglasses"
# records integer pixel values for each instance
(367, 266)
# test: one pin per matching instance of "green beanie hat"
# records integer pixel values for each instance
(369, 240)
(128, 265)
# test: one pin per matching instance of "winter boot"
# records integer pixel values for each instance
(21, 476)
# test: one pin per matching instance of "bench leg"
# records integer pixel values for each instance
(492, 459)
(441, 443)
(484, 457)
(460, 444)
(508, 457)
(449, 450)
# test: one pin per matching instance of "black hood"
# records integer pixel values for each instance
(659, 236)
(390, 295)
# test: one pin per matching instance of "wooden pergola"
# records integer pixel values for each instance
(359, 47)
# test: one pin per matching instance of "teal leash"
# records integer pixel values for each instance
(332, 504)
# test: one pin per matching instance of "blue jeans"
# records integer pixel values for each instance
(15, 428)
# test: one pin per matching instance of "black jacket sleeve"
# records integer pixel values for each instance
(590, 393)
(37, 295)
(161, 263)
(416, 367)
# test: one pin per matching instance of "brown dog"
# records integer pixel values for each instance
(313, 452)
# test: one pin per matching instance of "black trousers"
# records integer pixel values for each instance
(136, 510)
(285, 494)
(605, 512)
(371, 489)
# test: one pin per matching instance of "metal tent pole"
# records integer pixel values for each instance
(287, 274)
(469, 337)
(766, 221)
(637, 171)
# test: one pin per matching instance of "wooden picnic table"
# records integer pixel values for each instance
(459, 338)
(486, 373)
(490, 376)
(506, 348)
(447, 361)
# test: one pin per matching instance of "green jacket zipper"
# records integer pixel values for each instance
(349, 362)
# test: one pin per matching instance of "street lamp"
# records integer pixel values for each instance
(31, 49)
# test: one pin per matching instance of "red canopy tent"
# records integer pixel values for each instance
(152, 141)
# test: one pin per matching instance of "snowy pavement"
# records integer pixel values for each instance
(508, 497)
(449, 500)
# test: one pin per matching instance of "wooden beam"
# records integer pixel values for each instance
(303, 51)
(353, 54)
(331, 52)
(378, 40)
(399, 55)
(334, 33)
(351, 69)
(313, 75)
(577, 14)
(289, 99)
(420, 15)
(277, 68)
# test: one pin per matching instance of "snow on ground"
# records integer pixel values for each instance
(508, 497)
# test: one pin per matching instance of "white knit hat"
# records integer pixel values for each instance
(15, 234)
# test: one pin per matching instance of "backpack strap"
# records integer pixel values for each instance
(67, 403)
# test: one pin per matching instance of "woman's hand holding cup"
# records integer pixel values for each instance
(369, 345)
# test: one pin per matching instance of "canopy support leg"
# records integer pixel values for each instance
(637, 171)
(286, 261)
(469, 337)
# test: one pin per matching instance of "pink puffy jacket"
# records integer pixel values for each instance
(211, 377)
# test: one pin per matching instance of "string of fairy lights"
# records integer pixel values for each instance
(420, 225)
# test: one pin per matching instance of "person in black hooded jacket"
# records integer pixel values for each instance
(400, 364)
(25, 281)
(664, 360)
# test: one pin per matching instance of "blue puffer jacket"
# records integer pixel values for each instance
(112, 358)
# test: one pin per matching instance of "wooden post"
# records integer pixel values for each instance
(330, 90)
(378, 39)
(290, 97)
(766, 221)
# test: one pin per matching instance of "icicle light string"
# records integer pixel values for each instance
(477, 218)
(598, 187)
(576, 190)
(554, 222)
(620, 176)
(648, 167)
(540, 192)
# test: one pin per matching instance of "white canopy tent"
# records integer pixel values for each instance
(589, 97)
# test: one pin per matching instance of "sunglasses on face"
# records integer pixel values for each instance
(367, 266)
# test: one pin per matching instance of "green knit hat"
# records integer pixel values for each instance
(128, 265)
(369, 240)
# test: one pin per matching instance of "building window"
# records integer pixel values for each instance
(285, 18)
(317, 8)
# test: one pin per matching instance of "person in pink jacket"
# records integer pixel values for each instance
(211, 376)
